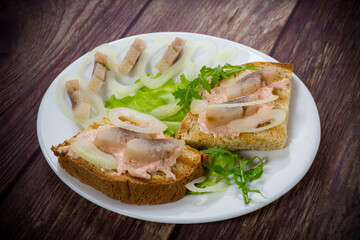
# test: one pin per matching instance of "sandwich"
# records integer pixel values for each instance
(128, 158)
(246, 111)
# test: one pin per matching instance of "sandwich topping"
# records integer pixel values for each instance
(139, 154)
(132, 56)
(241, 104)
(99, 72)
(80, 100)
(171, 54)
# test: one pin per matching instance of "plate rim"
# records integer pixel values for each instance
(163, 219)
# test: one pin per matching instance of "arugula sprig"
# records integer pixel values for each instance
(186, 92)
(207, 79)
(225, 163)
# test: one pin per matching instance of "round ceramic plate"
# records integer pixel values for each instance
(285, 167)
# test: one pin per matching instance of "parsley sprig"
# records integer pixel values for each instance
(225, 163)
(207, 79)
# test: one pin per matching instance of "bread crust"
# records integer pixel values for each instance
(134, 190)
(271, 139)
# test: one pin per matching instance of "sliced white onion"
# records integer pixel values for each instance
(220, 186)
(121, 90)
(174, 70)
(89, 58)
(244, 104)
(167, 110)
(155, 125)
(249, 124)
(192, 68)
(146, 55)
(88, 151)
(98, 110)
(226, 56)
(197, 106)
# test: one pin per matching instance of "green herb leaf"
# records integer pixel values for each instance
(218, 169)
(224, 163)
(207, 79)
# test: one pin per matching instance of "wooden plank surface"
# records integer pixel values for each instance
(253, 23)
(50, 36)
(317, 36)
(326, 55)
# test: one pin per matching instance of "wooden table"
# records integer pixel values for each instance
(321, 38)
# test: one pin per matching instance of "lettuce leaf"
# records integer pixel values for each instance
(145, 100)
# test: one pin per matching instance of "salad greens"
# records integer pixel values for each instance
(146, 100)
(225, 163)
(207, 79)
(171, 94)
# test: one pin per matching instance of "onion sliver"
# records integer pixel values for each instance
(191, 68)
(174, 70)
(88, 151)
(249, 124)
(226, 56)
(121, 90)
(89, 58)
(220, 186)
(98, 110)
(197, 106)
(145, 56)
(155, 125)
(167, 110)
(244, 104)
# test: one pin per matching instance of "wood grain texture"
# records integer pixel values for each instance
(62, 213)
(320, 41)
(326, 53)
(253, 23)
(42, 37)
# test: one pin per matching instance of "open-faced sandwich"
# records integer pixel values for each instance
(128, 158)
(124, 153)
(245, 111)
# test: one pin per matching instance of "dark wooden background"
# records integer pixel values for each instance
(38, 39)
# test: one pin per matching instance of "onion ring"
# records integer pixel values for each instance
(156, 125)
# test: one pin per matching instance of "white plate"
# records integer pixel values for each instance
(284, 170)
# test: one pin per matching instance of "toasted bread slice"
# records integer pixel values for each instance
(271, 139)
(129, 189)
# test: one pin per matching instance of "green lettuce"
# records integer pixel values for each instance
(145, 100)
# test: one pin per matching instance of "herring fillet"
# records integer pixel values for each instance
(99, 72)
(79, 99)
(151, 150)
(171, 54)
(250, 83)
(116, 136)
(132, 56)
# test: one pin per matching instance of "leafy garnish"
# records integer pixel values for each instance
(187, 92)
(146, 100)
(207, 79)
(106, 66)
(224, 163)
